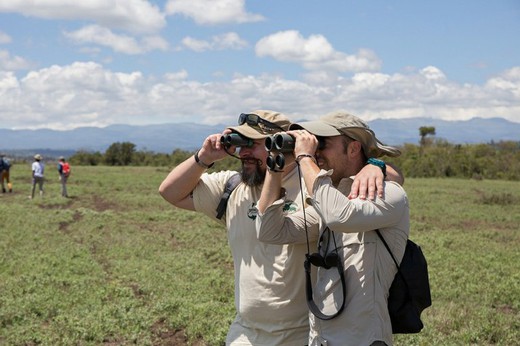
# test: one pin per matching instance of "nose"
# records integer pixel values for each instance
(244, 150)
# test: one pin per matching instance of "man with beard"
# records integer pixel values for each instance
(269, 279)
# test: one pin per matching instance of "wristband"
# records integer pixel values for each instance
(379, 163)
(200, 163)
(301, 156)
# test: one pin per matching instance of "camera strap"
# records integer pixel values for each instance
(307, 265)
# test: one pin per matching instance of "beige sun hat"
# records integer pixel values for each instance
(37, 157)
(341, 122)
(262, 130)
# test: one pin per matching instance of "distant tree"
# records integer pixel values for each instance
(119, 154)
(86, 158)
(425, 131)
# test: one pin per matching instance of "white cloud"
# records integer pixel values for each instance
(209, 12)
(225, 41)
(69, 96)
(83, 94)
(4, 38)
(131, 15)
(12, 63)
(96, 34)
(507, 83)
(314, 53)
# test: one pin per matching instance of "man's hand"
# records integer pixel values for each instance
(305, 142)
(368, 181)
(212, 150)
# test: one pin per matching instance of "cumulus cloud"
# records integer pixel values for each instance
(65, 97)
(229, 40)
(12, 63)
(507, 83)
(314, 53)
(131, 15)
(210, 12)
(95, 34)
(87, 93)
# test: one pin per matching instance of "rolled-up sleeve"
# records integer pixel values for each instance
(275, 227)
(356, 215)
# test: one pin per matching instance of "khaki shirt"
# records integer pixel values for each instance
(269, 279)
(368, 267)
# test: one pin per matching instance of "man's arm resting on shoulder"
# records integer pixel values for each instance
(370, 180)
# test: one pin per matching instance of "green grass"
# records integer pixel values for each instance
(116, 265)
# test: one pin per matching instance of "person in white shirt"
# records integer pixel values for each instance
(269, 300)
(348, 301)
(38, 168)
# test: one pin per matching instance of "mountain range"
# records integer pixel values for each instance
(164, 138)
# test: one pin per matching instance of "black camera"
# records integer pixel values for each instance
(235, 140)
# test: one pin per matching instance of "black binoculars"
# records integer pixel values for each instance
(275, 162)
(284, 142)
(235, 140)
(281, 142)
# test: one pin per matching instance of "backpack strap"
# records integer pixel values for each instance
(395, 261)
(231, 184)
(388, 248)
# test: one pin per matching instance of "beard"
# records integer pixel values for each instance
(253, 177)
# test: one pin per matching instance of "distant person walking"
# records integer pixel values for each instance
(5, 166)
(64, 172)
(37, 175)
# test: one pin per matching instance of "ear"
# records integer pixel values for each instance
(355, 148)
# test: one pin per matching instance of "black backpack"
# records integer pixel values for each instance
(409, 293)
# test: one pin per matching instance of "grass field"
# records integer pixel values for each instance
(116, 265)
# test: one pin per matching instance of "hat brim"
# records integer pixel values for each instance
(248, 131)
(317, 128)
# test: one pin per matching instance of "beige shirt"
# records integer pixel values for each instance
(368, 267)
(269, 279)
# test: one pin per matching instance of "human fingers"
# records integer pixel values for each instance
(305, 142)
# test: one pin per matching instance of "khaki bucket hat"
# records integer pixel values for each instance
(340, 122)
(261, 124)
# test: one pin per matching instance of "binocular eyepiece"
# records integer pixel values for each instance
(235, 140)
(275, 162)
(284, 142)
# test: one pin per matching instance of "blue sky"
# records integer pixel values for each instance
(69, 63)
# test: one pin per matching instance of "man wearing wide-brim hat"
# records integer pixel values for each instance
(353, 311)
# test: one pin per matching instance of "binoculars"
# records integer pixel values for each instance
(275, 162)
(281, 142)
(235, 140)
(284, 143)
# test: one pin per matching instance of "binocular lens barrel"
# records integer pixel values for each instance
(275, 162)
(280, 161)
(269, 143)
(281, 142)
(285, 143)
(234, 139)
